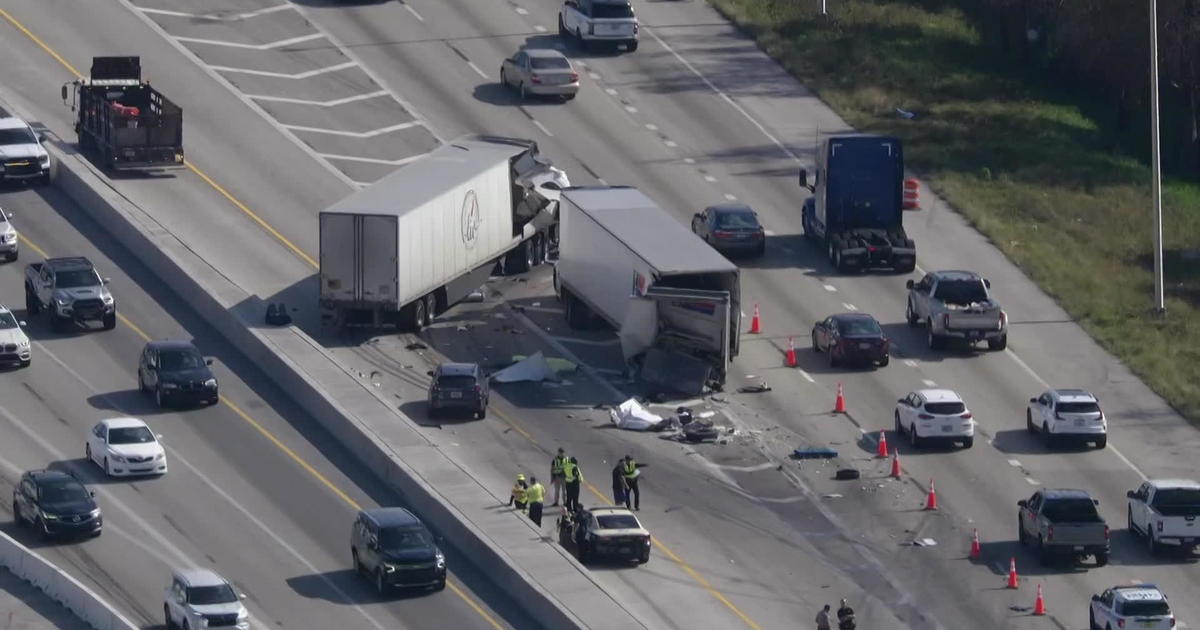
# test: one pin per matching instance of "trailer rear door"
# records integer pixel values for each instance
(358, 257)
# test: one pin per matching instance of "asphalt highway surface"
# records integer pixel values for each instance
(748, 538)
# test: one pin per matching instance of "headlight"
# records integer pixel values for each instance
(118, 458)
(94, 513)
(44, 160)
(49, 517)
(211, 383)
(24, 343)
(63, 301)
(388, 567)
(243, 615)
(108, 299)
(160, 456)
(167, 385)
(441, 561)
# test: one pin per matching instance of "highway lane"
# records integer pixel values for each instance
(234, 499)
(793, 299)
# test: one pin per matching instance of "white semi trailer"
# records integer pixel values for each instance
(421, 239)
(673, 300)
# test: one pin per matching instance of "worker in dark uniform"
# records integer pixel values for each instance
(630, 471)
(517, 497)
(556, 475)
(573, 478)
(620, 490)
(535, 494)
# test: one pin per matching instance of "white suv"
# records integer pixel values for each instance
(14, 343)
(597, 21)
(1067, 414)
(21, 153)
(1131, 606)
(199, 598)
(935, 414)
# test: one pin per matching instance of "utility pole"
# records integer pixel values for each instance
(1156, 163)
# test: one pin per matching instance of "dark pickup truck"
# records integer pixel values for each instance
(1063, 523)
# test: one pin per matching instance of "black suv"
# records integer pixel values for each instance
(393, 548)
(176, 373)
(56, 503)
(458, 386)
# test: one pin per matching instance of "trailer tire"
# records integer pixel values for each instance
(579, 316)
(430, 307)
(415, 314)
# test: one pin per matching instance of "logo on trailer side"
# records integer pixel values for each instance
(470, 219)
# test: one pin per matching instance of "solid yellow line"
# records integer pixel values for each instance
(687, 568)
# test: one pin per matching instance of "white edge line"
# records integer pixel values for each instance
(477, 70)
(282, 75)
(355, 158)
(242, 97)
(217, 18)
(413, 11)
(270, 46)
(354, 134)
(537, 123)
(806, 376)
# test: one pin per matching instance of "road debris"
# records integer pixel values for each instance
(754, 389)
(814, 452)
(632, 416)
(530, 369)
(416, 346)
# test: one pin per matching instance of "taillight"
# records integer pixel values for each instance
(478, 389)
(1003, 320)
(966, 415)
(722, 233)
(1120, 623)
(925, 416)
(574, 77)
(1106, 532)
(1172, 622)
(535, 78)
(1050, 533)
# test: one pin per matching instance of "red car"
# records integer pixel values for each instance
(851, 338)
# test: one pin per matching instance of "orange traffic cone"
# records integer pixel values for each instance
(755, 324)
(1012, 573)
(896, 464)
(931, 498)
(1039, 604)
(882, 451)
(839, 405)
(976, 549)
(791, 353)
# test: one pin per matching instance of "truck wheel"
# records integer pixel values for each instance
(1043, 553)
(418, 314)
(968, 442)
(910, 315)
(1101, 558)
(1029, 426)
(1151, 544)
(503, 78)
(110, 321)
(576, 311)
(935, 342)
(13, 256)
(899, 427)
(562, 28)
(1021, 537)
(57, 324)
(31, 304)
(998, 344)
(913, 438)
(521, 90)
(1047, 435)
(430, 308)
(1101, 442)
(632, 46)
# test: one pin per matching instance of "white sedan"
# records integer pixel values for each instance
(126, 446)
(935, 414)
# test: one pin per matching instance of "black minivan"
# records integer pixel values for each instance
(393, 548)
(458, 386)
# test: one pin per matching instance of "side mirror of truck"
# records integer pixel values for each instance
(804, 178)
(208, 361)
(1033, 400)
(1095, 501)
(909, 284)
(64, 92)
(987, 283)
(1095, 597)
(105, 280)
(1022, 503)
(1132, 494)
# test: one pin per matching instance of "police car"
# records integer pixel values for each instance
(1133, 606)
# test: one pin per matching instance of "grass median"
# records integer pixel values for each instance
(1024, 160)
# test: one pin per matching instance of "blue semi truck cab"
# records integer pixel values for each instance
(856, 211)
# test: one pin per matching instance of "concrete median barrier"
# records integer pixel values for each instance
(526, 565)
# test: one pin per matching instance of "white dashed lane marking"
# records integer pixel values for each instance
(283, 75)
(929, 383)
(537, 123)
(474, 67)
(710, 179)
(652, 126)
(670, 143)
(730, 197)
(849, 307)
(910, 363)
(1014, 463)
(830, 288)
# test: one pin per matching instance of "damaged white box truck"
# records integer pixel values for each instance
(423, 238)
(673, 300)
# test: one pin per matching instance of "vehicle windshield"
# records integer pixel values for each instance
(63, 492)
(858, 327)
(1153, 608)
(1078, 407)
(743, 219)
(945, 408)
(130, 435)
(76, 279)
(171, 360)
(1178, 502)
(1071, 511)
(612, 10)
(617, 521)
(961, 292)
(407, 538)
(456, 381)
(7, 321)
(549, 63)
(20, 135)
(209, 595)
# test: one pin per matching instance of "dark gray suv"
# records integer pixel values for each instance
(393, 548)
(458, 386)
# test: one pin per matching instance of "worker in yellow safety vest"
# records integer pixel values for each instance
(517, 498)
(556, 475)
(629, 470)
(535, 494)
(573, 477)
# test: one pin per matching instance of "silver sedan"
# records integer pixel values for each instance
(540, 71)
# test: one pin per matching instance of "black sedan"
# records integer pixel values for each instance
(730, 229)
(851, 338)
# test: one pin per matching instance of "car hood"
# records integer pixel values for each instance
(13, 335)
(227, 608)
(149, 449)
(69, 507)
(632, 531)
(193, 375)
(17, 151)
(427, 553)
(82, 293)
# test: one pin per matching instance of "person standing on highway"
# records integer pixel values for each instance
(535, 494)
(572, 477)
(823, 619)
(556, 475)
(630, 471)
(620, 490)
(517, 498)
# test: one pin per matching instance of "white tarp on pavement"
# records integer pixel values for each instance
(632, 416)
(531, 369)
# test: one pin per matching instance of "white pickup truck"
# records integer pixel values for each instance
(956, 305)
(1167, 513)
(599, 21)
